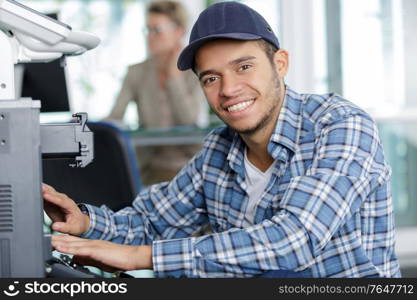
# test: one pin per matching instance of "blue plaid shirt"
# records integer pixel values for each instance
(326, 211)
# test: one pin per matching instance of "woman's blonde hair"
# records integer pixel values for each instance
(173, 10)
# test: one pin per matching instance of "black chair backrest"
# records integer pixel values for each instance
(112, 178)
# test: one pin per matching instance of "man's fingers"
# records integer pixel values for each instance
(73, 242)
(46, 187)
(61, 227)
(64, 212)
(105, 255)
(70, 248)
(76, 245)
(52, 198)
(65, 238)
(57, 199)
(65, 227)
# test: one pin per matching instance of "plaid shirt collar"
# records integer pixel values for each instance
(285, 137)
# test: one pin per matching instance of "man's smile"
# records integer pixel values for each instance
(238, 106)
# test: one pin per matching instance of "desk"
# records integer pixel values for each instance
(181, 135)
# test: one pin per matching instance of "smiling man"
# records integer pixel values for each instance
(245, 89)
(294, 184)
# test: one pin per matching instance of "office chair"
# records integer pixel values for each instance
(112, 178)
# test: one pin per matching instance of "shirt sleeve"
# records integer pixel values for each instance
(167, 210)
(347, 167)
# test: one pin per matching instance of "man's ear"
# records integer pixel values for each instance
(281, 60)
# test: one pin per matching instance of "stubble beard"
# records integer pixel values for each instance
(270, 113)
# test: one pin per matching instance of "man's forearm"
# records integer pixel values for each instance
(144, 257)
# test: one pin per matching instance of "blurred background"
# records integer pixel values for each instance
(363, 50)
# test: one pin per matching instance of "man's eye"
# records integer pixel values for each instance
(209, 80)
(244, 67)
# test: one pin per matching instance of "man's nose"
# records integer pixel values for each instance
(230, 86)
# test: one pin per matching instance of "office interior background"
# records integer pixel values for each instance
(363, 50)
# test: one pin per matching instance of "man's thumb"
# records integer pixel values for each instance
(61, 227)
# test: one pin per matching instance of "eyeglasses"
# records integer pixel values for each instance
(157, 30)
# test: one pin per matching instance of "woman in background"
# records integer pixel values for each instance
(165, 97)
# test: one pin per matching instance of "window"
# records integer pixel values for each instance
(95, 77)
(372, 62)
(373, 72)
(373, 56)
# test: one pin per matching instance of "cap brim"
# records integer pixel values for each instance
(186, 58)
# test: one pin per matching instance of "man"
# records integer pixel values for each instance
(294, 183)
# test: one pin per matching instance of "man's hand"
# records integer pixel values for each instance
(107, 256)
(64, 212)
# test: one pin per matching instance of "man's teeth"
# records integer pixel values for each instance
(240, 106)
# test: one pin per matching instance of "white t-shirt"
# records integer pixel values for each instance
(256, 182)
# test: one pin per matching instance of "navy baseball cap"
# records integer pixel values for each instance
(229, 20)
